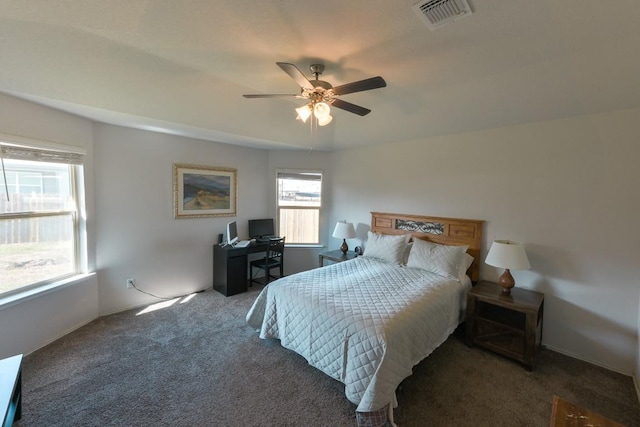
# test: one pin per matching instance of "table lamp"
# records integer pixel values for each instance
(510, 256)
(344, 231)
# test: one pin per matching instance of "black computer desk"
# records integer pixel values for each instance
(230, 265)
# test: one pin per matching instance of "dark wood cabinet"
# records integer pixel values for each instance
(229, 270)
(510, 325)
(230, 267)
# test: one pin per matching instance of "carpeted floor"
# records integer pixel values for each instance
(197, 363)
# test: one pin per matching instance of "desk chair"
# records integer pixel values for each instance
(274, 258)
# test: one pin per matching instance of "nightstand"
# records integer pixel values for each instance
(510, 325)
(336, 256)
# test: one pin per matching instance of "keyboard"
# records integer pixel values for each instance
(242, 243)
(265, 239)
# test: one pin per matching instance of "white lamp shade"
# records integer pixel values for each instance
(303, 113)
(344, 230)
(325, 121)
(321, 110)
(508, 254)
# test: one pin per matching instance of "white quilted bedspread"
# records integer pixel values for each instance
(363, 322)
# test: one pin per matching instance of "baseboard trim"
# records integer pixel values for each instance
(575, 356)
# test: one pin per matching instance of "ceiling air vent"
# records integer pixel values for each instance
(436, 13)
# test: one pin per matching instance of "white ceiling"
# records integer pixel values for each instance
(182, 67)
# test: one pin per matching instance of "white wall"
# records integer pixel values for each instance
(138, 236)
(566, 188)
(36, 321)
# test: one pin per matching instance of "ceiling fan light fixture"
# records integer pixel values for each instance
(325, 121)
(304, 113)
(322, 95)
(321, 110)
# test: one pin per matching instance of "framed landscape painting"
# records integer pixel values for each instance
(204, 191)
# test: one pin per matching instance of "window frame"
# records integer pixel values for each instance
(280, 171)
(50, 153)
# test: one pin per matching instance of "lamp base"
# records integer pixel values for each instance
(507, 282)
(344, 248)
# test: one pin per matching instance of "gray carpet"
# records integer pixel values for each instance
(197, 363)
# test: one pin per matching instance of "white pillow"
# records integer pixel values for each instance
(443, 260)
(467, 260)
(386, 247)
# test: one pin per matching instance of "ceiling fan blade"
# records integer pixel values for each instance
(359, 86)
(352, 108)
(272, 95)
(295, 74)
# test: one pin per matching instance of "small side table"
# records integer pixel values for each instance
(11, 390)
(510, 325)
(336, 256)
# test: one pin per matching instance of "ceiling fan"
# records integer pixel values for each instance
(321, 94)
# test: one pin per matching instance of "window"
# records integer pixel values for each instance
(299, 203)
(38, 216)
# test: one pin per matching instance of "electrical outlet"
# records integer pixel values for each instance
(131, 283)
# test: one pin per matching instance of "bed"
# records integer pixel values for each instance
(367, 321)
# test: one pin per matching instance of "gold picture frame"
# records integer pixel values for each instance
(204, 191)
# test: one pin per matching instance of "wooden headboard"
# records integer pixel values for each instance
(446, 231)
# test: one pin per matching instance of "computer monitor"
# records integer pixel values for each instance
(260, 228)
(232, 233)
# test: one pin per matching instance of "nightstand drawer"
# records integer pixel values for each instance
(500, 315)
